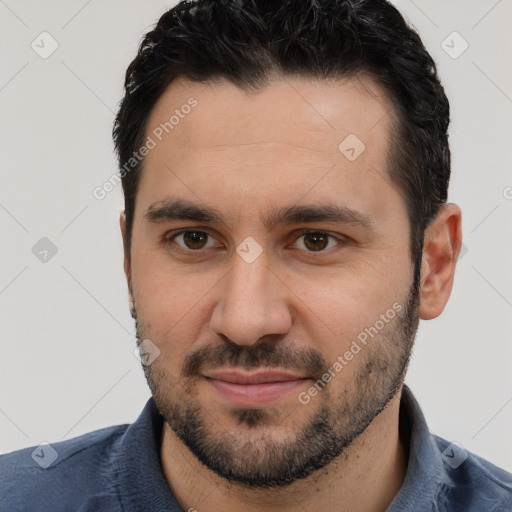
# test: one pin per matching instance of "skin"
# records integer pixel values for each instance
(246, 155)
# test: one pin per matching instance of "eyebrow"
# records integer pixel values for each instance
(182, 209)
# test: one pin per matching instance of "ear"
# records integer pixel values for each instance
(127, 262)
(441, 248)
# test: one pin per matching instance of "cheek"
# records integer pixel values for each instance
(335, 317)
(170, 304)
(335, 309)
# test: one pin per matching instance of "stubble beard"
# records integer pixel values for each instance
(254, 453)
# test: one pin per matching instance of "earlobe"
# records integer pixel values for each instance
(441, 248)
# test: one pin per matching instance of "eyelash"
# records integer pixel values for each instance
(171, 240)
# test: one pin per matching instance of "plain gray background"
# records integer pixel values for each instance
(66, 355)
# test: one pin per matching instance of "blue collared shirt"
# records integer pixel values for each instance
(118, 469)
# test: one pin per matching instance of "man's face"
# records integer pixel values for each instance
(323, 299)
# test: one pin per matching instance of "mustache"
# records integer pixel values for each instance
(265, 353)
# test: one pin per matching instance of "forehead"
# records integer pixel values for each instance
(294, 137)
(307, 113)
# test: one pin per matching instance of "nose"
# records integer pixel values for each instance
(252, 303)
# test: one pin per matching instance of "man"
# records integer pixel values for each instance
(285, 167)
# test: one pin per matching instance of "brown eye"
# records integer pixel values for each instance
(193, 240)
(316, 241)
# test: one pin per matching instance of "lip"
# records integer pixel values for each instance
(254, 389)
(260, 377)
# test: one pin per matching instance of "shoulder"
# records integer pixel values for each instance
(60, 476)
(473, 481)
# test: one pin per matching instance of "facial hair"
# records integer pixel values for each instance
(263, 459)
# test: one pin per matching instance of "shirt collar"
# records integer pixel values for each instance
(143, 486)
(425, 468)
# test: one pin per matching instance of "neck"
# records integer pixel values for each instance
(366, 477)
